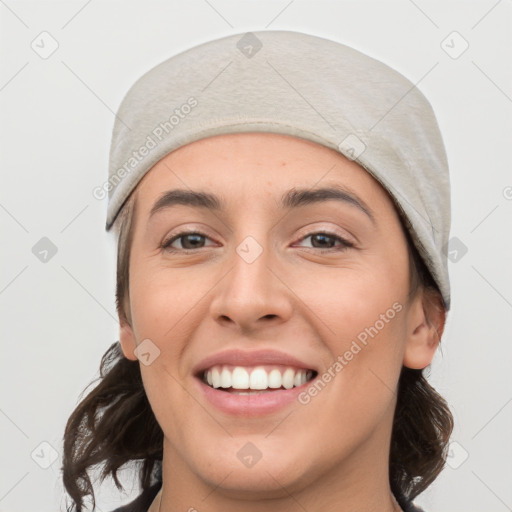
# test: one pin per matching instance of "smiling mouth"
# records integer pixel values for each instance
(242, 380)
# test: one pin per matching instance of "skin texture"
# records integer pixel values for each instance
(299, 297)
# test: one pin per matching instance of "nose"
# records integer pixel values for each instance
(252, 294)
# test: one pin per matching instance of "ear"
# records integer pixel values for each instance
(426, 322)
(127, 339)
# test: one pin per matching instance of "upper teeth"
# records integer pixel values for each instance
(238, 377)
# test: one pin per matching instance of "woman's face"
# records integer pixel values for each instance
(276, 265)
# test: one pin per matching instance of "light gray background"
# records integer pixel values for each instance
(58, 317)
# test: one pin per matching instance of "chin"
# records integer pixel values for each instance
(265, 477)
(251, 484)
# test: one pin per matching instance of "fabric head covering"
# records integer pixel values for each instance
(296, 84)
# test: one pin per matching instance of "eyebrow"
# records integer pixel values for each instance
(293, 198)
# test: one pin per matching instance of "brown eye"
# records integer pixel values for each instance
(189, 240)
(326, 241)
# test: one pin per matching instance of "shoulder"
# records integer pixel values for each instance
(142, 502)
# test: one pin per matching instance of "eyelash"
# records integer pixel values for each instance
(346, 244)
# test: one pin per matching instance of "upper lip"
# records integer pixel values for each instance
(250, 358)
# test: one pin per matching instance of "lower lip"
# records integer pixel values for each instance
(251, 405)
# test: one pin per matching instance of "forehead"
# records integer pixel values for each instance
(245, 165)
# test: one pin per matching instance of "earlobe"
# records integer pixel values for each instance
(127, 340)
(427, 317)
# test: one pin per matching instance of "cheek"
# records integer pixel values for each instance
(368, 339)
(363, 311)
(352, 299)
(166, 310)
(366, 349)
(163, 301)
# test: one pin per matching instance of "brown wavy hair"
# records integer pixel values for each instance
(114, 425)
